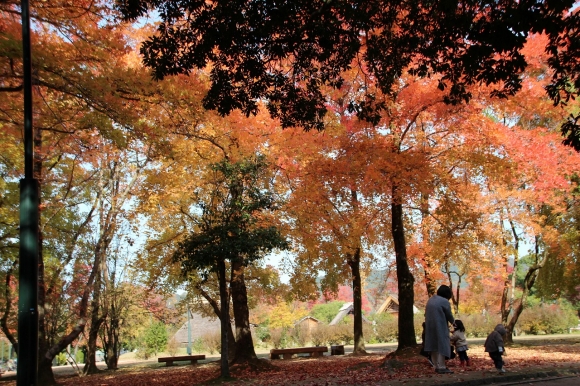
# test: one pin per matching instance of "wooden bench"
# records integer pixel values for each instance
(169, 360)
(287, 353)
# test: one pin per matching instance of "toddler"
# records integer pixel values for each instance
(494, 346)
(458, 339)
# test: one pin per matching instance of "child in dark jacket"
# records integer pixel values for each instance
(495, 347)
(458, 339)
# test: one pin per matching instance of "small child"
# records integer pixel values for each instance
(458, 339)
(494, 346)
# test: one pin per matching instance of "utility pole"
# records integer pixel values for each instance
(27, 367)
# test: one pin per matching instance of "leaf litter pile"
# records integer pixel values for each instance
(372, 369)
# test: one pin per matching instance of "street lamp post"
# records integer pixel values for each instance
(27, 367)
(188, 332)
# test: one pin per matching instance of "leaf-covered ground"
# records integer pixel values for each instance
(336, 370)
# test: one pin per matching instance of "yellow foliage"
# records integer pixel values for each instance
(285, 315)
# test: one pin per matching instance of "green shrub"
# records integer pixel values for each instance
(197, 345)
(80, 356)
(262, 333)
(386, 328)
(547, 319)
(61, 358)
(155, 339)
(327, 311)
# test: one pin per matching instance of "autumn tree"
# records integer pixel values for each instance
(560, 274)
(230, 230)
(531, 195)
(85, 85)
(335, 218)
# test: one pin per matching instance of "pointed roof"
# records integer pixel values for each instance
(307, 317)
(346, 309)
(391, 305)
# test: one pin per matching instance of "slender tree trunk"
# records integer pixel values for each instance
(217, 310)
(508, 295)
(9, 302)
(454, 296)
(529, 281)
(359, 342)
(224, 319)
(505, 307)
(430, 284)
(404, 276)
(457, 295)
(244, 344)
(96, 321)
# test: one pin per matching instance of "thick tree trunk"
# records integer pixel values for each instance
(111, 343)
(244, 344)
(224, 319)
(91, 360)
(45, 374)
(404, 276)
(359, 342)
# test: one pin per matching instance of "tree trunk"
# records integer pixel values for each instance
(96, 321)
(91, 360)
(509, 288)
(455, 297)
(9, 302)
(359, 342)
(529, 281)
(217, 310)
(430, 284)
(404, 276)
(224, 319)
(244, 344)
(505, 307)
(45, 374)
(111, 342)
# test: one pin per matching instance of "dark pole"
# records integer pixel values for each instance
(27, 369)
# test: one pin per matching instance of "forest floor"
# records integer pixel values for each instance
(530, 357)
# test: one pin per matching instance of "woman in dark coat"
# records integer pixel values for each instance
(437, 316)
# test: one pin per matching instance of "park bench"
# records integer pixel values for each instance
(169, 360)
(287, 353)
